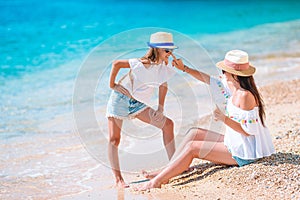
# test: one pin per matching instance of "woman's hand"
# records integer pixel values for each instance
(122, 90)
(219, 115)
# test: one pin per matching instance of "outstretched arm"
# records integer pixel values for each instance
(201, 76)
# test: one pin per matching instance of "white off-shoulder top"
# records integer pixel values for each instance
(259, 144)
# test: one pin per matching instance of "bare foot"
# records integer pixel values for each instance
(190, 169)
(147, 186)
(121, 184)
(149, 175)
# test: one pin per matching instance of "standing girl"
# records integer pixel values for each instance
(131, 96)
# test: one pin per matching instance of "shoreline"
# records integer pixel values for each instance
(276, 177)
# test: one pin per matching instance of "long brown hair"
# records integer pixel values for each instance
(152, 56)
(248, 83)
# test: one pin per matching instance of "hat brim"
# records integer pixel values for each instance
(248, 72)
(161, 46)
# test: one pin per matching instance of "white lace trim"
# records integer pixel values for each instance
(131, 116)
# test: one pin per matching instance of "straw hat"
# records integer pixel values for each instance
(161, 40)
(237, 62)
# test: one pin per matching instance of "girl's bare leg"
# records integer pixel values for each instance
(114, 127)
(167, 127)
(193, 134)
(218, 154)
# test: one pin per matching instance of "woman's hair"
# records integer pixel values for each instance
(248, 83)
(151, 56)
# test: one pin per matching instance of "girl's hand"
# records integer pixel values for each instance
(158, 115)
(178, 64)
(122, 90)
(219, 115)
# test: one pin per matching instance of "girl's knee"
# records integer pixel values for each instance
(115, 141)
(168, 124)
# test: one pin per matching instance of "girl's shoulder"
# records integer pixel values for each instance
(146, 62)
(137, 63)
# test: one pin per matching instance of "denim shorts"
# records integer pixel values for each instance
(241, 162)
(121, 106)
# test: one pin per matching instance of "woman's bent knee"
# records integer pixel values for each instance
(199, 133)
(193, 148)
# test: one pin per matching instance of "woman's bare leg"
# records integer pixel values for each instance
(198, 134)
(218, 154)
(167, 127)
(193, 134)
(114, 127)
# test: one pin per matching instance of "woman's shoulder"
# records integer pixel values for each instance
(247, 100)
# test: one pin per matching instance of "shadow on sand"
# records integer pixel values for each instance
(202, 171)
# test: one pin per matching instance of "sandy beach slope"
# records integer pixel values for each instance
(275, 177)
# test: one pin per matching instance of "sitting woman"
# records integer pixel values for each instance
(246, 138)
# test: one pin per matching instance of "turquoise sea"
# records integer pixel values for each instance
(46, 44)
